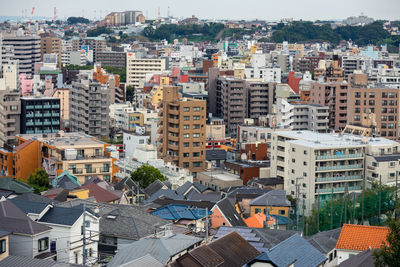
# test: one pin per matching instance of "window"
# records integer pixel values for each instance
(293, 149)
(392, 175)
(197, 164)
(196, 109)
(196, 135)
(186, 144)
(141, 141)
(2, 246)
(186, 127)
(43, 244)
(392, 163)
(305, 152)
(185, 155)
(293, 171)
(292, 181)
(196, 144)
(304, 185)
(196, 118)
(257, 210)
(186, 165)
(330, 257)
(304, 163)
(304, 174)
(282, 212)
(196, 126)
(375, 164)
(186, 118)
(186, 136)
(90, 252)
(293, 160)
(186, 109)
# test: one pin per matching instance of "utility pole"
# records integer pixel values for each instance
(396, 198)
(137, 194)
(84, 236)
(206, 225)
(318, 214)
(354, 206)
(297, 201)
(380, 198)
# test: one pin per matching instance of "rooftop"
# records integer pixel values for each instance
(224, 176)
(63, 139)
(361, 237)
(324, 140)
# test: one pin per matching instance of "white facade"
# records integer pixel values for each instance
(267, 74)
(137, 68)
(132, 142)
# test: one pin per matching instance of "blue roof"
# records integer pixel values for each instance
(282, 220)
(29, 206)
(166, 193)
(64, 216)
(178, 212)
(298, 250)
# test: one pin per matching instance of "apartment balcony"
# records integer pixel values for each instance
(47, 131)
(173, 121)
(90, 170)
(103, 170)
(56, 114)
(76, 171)
(340, 156)
(173, 129)
(173, 138)
(38, 123)
(38, 106)
(338, 178)
(46, 106)
(30, 106)
(30, 123)
(55, 106)
(339, 167)
(173, 147)
(173, 111)
(160, 113)
(47, 123)
(338, 190)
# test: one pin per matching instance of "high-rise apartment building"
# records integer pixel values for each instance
(382, 102)
(96, 44)
(25, 49)
(50, 44)
(352, 63)
(89, 106)
(334, 96)
(111, 58)
(136, 68)
(40, 115)
(182, 128)
(10, 111)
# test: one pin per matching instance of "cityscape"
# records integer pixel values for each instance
(165, 137)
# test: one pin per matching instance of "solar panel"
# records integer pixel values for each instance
(256, 244)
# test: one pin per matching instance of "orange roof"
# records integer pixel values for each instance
(257, 220)
(21, 146)
(361, 237)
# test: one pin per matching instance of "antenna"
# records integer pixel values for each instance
(55, 14)
(168, 12)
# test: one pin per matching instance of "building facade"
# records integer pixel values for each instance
(10, 112)
(136, 68)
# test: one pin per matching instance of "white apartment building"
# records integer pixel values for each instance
(316, 166)
(267, 74)
(138, 67)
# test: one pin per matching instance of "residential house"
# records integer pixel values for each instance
(28, 238)
(133, 192)
(155, 186)
(164, 249)
(267, 183)
(274, 202)
(20, 261)
(231, 250)
(296, 251)
(224, 213)
(260, 220)
(191, 217)
(354, 239)
(325, 242)
(65, 239)
(103, 195)
(121, 224)
(363, 259)
(14, 185)
(66, 181)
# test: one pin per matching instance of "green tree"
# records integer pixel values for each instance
(75, 20)
(130, 93)
(147, 174)
(389, 253)
(39, 180)
(98, 31)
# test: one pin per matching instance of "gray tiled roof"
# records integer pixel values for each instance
(146, 260)
(35, 198)
(29, 206)
(14, 220)
(215, 154)
(383, 158)
(160, 248)
(275, 198)
(166, 193)
(296, 249)
(154, 187)
(19, 261)
(183, 188)
(325, 241)
(63, 216)
(227, 208)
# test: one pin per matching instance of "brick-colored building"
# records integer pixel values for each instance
(182, 128)
(333, 95)
(383, 102)
(50, 44)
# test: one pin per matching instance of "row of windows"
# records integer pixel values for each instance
(195, 126)
(372, 95)
(195, 135)
(195, 144)
(187, 109)
(195, 164)
(195, 118)
(195, 154)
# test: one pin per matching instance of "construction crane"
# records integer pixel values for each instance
(30, 19)
(55, 14)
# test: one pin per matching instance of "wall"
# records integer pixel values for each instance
(272, 210)
(26, 246)
(5, 254)
(217, 219)
(28, 159)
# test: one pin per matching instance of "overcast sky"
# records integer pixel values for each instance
(211, 9)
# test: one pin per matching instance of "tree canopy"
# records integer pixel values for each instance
(75, 20)
(39, 180)
(147, 174)
(389, 252)
(98, 31)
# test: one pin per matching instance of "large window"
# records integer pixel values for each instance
(196, 135)
(196, 109)
(196, 118)
(43, 244)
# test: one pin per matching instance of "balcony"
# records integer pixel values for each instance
(55, 106)
(338, 189)
(47, 114)
(338, 178)
(29, 123)
(37, 123)
(38, 106)
(47, 123)
(90, 170)
(173, 111)
(340, 156)
(56, 114)
(46, 106)
(173, 129)
(340, 167)
(76, 171)
(30, 107)
(105, 170)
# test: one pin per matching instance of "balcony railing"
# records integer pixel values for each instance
(340, 156)
(339, 178)
(46, 106)
(338, 189)
(340, 167)
(55, 106)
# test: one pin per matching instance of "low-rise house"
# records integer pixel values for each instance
(363, 259)
(225, 214)
(260, 220)
(131, 189)
(65, 181)
(191, 217)
(354, 239)
(156, 186)
(325, 242)
(104, 195)
(231, 250)
(269, 183)
(66, 236)
(297, 252)
(14, 185)
(28, 238)
(274, 202)
(20, 261)
(164, 249)
(121, 224)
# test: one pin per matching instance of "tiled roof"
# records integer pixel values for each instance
(361, 237)
(258, 220)
(179, 212)
(19, 261)
(64, 216)
(276, 198)
(100, 194)
(14, 185)
(325, 241)
(228, 209)
(363, 259)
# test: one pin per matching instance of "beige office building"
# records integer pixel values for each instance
(137, 68)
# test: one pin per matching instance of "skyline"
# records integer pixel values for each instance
(266, 10)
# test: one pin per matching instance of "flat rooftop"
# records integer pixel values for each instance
(326, 140)
(223, 176)
(64, 139)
